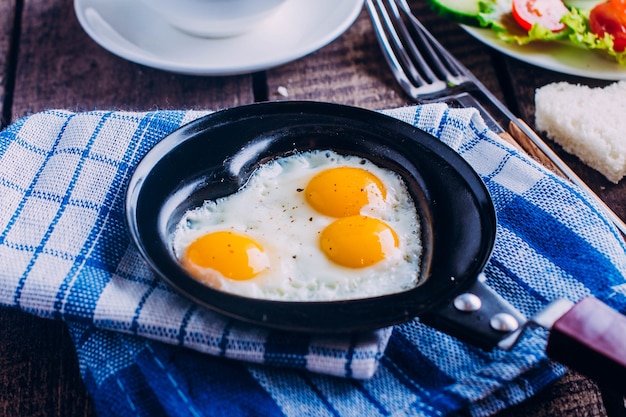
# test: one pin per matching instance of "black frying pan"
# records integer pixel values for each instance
(215, 155)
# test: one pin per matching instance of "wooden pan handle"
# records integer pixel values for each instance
(591, 338)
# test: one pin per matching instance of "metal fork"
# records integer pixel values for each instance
(410, 66)
(427, 72)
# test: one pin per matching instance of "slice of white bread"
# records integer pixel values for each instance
(587, 122)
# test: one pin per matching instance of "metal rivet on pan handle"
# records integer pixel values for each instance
(504, 322)
(467, 302)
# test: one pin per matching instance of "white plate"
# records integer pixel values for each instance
(129, 30)
(556, 57)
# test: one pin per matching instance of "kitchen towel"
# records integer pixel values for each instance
(145, 350)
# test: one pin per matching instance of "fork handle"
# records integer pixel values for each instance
(527, 145)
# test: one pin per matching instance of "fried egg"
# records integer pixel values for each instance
(313, 226)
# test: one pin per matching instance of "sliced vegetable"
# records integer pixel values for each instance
(461, 11)
(547, 13)
(610, 18)
(497, 15)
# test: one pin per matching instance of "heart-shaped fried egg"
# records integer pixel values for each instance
(314, 226)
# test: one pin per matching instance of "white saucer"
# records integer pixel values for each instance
(131, 31)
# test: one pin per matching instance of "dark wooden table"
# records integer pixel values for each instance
(47, 61)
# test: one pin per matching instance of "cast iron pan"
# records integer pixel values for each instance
(215, 155)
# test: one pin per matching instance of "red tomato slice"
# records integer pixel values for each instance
(547, 13)
(610, 17)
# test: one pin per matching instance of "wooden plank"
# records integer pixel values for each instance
(352, 70)
(59, 66)
(39, 373)
(7, 18)
(573, 395)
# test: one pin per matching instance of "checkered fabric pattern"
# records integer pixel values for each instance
(144, 350)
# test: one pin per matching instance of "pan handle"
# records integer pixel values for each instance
(591, 338)
(478, 316)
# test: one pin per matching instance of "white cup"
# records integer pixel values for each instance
(214, 18)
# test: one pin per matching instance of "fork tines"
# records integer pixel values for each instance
(419, 63)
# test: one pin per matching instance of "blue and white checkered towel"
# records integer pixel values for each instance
(65, 254)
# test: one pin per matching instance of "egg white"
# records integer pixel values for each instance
(272, 210)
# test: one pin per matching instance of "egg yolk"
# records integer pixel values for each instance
(233, 255)
(358, 241)
(344, 191)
